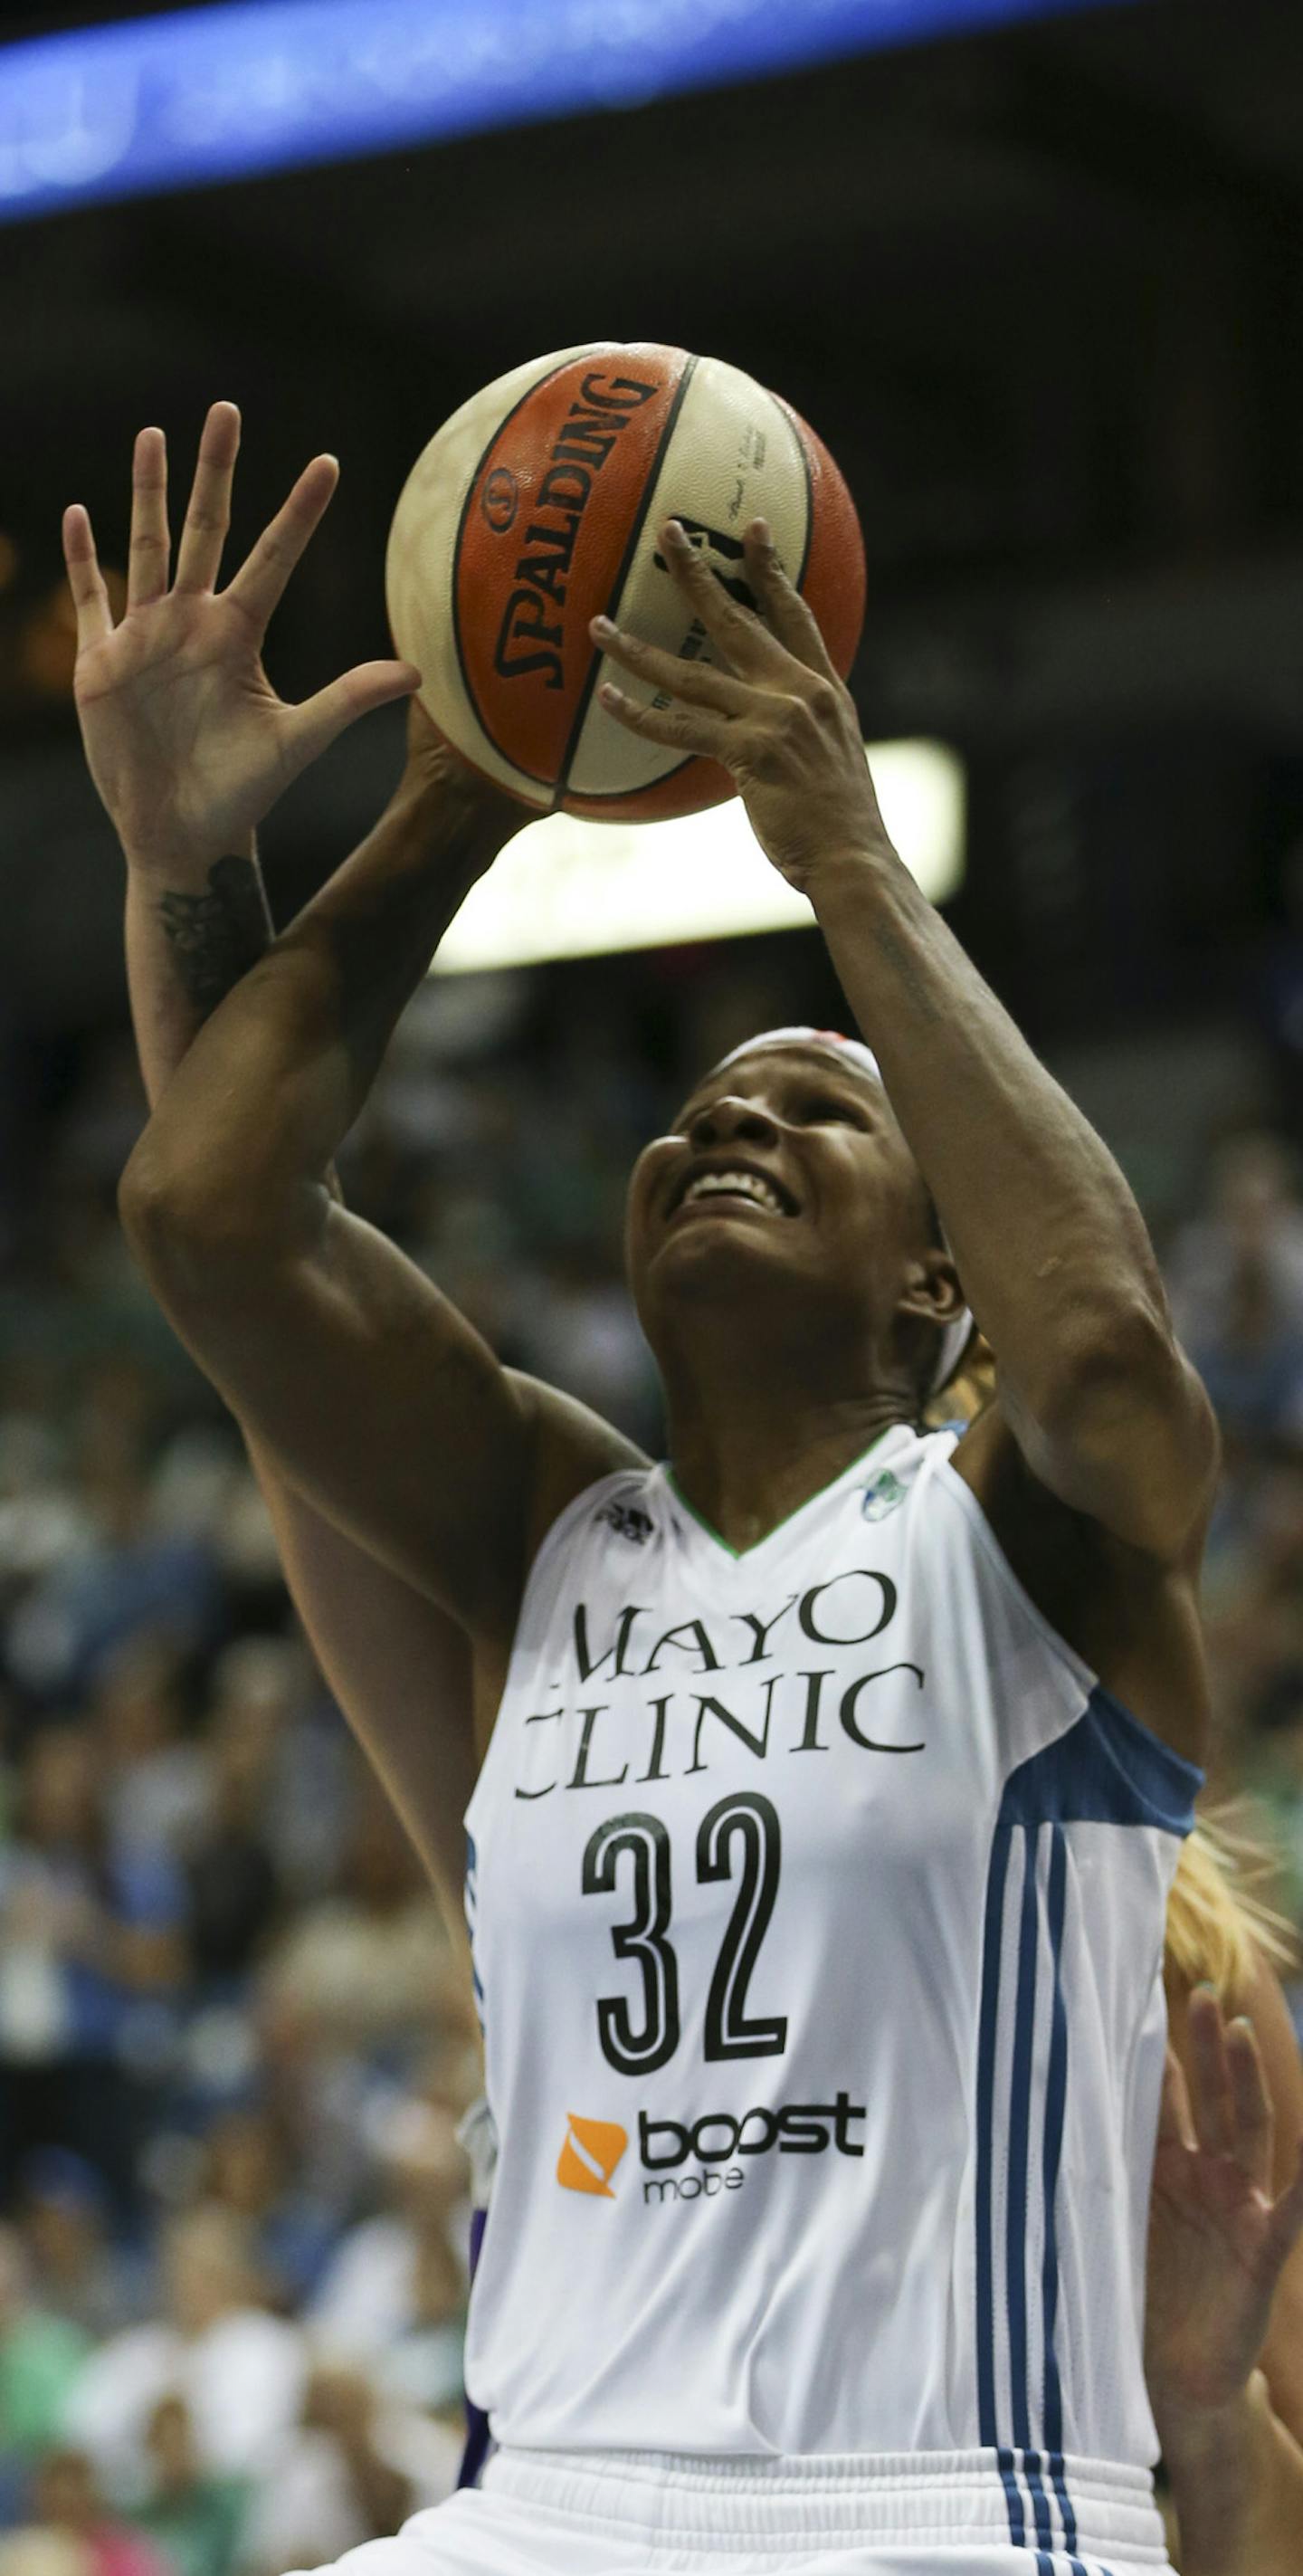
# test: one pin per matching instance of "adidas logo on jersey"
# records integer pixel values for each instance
(590, 2154)
(628, 1520)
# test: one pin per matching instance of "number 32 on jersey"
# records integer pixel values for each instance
(739, 1837)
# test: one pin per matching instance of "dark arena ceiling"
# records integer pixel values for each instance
(1040, 290)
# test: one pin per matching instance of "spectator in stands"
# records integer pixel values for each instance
(78, 2269)
(274, 1731)
(249, 2169)
(41, 2358)
(92, 1952)
(126, 1574)
(423, 2364)
(389, 2282)
(234, 1881)
(1236, 1282)
(66, 2497)
(36, 2552)
(240, 2370)
(352, 2472)
(365, 1970)
(156, 1783)
(195, 2517)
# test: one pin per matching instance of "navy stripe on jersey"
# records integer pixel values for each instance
(479, 2440)
(1019, 2146)
(1055, 2101)
(1013, 2497)
(478, 2437)
(1107, 1769)
(986, 2037)
(1016, 2200)
(471, 1902)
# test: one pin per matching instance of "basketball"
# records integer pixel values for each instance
(537, 507)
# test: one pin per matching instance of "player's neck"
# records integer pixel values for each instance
(747, 1466)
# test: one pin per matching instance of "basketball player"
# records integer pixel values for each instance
(957, 1973)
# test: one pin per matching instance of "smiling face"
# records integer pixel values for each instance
(785, 1190)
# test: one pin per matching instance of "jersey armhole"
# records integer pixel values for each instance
(1149, 1746)
(559, 1530)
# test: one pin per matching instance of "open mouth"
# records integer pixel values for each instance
(738, 1183)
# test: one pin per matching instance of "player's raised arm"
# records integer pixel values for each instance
(211, 1207)
(1051, 1247)
(196, 920)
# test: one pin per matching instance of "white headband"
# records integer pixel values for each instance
(955, 1337)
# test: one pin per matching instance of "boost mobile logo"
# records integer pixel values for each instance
(590, 2154)
(593, 2148)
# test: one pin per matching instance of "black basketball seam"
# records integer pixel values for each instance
(472, 699)
(622, 575)
(795, 427)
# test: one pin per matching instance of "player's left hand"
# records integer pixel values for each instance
(1219, 2239)
(773, 713)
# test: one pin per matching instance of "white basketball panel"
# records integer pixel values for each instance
(733, 456)
(419, 564)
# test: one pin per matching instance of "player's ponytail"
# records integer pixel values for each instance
(1219, 1923)
(969, 1392)
(1218, 1920)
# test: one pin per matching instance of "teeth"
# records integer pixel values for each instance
(747, 1185)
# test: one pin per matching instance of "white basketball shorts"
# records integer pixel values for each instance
(623, 2513)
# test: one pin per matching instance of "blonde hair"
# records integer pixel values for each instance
(967, 1394)
(1220, 1926)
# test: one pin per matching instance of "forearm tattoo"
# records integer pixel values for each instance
(219, 935)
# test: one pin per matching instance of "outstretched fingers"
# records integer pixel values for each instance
(1255, 2123)
(261, 579)
(694, 684)
(90, 596)
(1175, 2124)
(788, 616)
(151, 544)
(1210, 2082)
(691, 730)
(1231, 2102)
(738, 634)
(1287, 2216)
(208, 513)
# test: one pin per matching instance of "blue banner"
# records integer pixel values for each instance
(219, 93)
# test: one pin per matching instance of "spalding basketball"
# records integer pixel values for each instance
(537, 507)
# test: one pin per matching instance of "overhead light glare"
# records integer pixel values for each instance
(565, 888)
(197, 95)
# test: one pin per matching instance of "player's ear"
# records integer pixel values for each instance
(931, 1288)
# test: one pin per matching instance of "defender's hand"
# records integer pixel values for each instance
(1218, 2240)
(776, 716)
(185, 737)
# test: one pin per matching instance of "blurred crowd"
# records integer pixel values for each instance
(236, 2043)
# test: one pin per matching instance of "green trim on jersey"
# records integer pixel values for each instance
(737, 1553)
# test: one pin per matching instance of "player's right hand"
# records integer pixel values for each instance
(186, 740)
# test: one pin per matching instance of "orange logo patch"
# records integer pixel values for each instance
(592, 2151)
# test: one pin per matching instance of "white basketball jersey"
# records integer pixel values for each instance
(817, 1900)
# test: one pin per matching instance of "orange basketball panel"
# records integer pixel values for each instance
(545, 530)
(833, 580)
